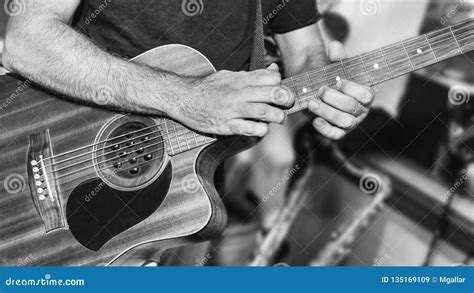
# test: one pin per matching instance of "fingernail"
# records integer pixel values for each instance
(314, 105)
(318, 122)
(321, 90)
(350, 122)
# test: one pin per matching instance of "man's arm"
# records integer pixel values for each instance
(41, 46)
(338, 109)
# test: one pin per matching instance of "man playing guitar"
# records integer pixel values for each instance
(71, 47)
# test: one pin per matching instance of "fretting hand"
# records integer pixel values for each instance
(343, 107)
(234, 103)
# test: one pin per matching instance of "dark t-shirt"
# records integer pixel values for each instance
(220, 29)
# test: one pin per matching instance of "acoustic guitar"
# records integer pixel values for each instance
(84, 185)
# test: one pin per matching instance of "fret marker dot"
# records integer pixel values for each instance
(304, 90)
(338, 78)
(376, 65)
(419, 51)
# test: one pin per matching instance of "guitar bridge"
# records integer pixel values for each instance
(41, 181)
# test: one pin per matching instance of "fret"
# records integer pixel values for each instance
(464, 34)
(318, 78)
(186, 140)
(457, 43)
(419, 52)
(355, 71)
(386, 63)
(176, 136)
(310, 82)
(167, 133)
(326, 74)
(344, 69)
(378, 72)
(398, 63)
(333, 72)
(431, 48)
(406, 52)
(195, 139)
(170, 136)
(443, 43)
(365, 68)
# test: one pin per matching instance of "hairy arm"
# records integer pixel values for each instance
(338, 109)
(41, 46)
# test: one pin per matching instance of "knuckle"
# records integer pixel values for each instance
(279, 116)
(261, 111)
(347, 122)
(281, 96)
(275, 77)
(357, 108)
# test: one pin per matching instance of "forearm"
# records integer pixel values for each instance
(313, 58)
(302, 50)
(52, 54)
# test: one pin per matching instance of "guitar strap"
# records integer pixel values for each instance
(257, 59)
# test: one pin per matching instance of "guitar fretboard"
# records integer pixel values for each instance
(385, 63)
(370, 69)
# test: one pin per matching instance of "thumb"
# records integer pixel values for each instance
(273, 67)
(336, 51)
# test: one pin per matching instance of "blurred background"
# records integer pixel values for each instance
(306, 202)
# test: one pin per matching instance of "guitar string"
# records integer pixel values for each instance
(160, 157)
(94, 172)
(368, 56)
(403, 60)
(377, 52)
(84, 161)
(111, 159)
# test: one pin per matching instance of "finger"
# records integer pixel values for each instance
(273, 67)
(341, 101)
(247, 128)
(336, 51)
(363, 94)
(332, 115)
(262, 112)
(263, 77)
(277, 95)
(327, 129)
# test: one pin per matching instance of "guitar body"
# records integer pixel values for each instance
(107, 188)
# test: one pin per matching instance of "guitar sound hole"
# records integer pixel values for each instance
(129, 153)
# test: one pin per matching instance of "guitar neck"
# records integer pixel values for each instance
(370, 69)
(386, 63)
